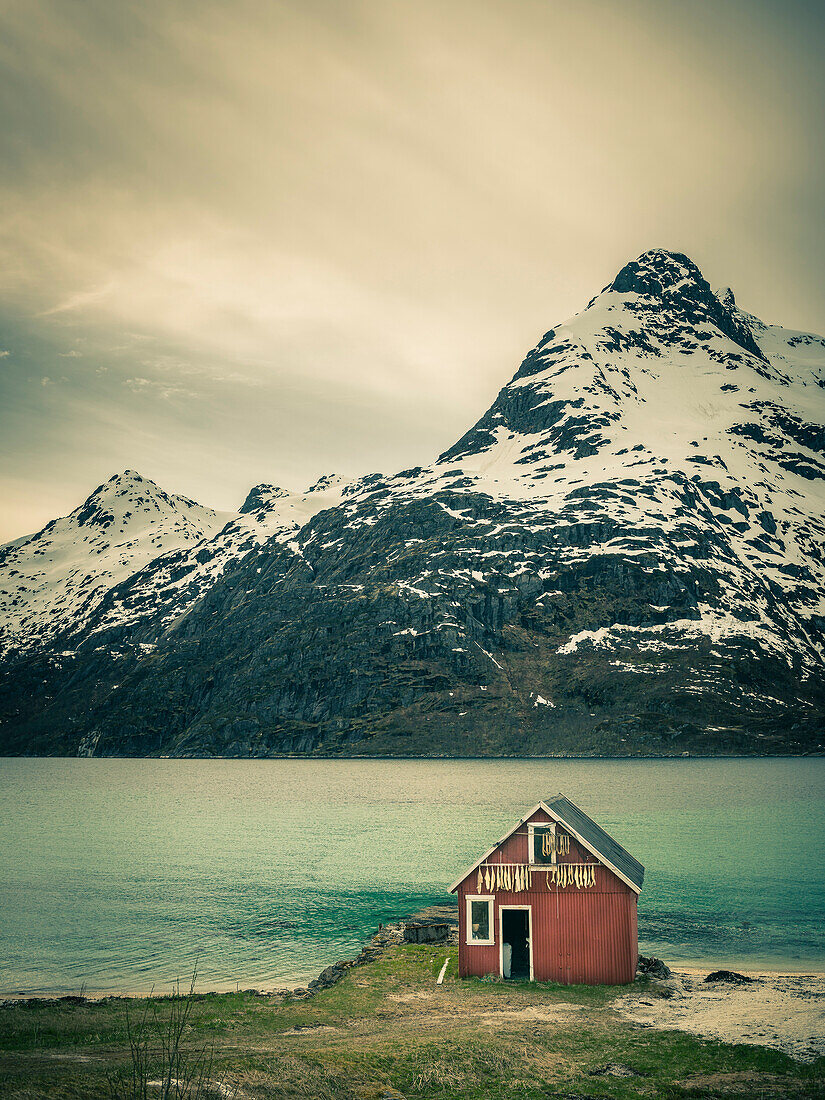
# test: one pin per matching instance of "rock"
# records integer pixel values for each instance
(328, 977)
(650, 967)
(426, 932)
(729, 976)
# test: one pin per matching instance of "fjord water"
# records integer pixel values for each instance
(123, 875)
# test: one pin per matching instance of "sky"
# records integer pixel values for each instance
(260, 241)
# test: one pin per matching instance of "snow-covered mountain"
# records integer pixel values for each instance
(625, 554)
(664, 421)
(132, 551)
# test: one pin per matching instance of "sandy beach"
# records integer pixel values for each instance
(783, 1011)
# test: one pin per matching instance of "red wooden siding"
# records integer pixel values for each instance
(579, 936)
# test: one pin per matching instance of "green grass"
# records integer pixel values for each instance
(386, 1029)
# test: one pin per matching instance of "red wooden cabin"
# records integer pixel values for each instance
(553, 900)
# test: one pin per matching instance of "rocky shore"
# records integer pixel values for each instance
(784, 1012)
(386, 936)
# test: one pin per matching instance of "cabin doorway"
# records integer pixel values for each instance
(516, 946)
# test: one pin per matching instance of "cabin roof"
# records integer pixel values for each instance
(599, 842)
(584, 829)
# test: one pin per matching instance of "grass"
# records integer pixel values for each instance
(386, 1030)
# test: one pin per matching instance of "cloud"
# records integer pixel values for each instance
(163, 390)
(339, 227)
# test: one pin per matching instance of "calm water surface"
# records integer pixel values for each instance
(121, 874)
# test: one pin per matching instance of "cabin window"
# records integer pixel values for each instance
(480, 920)
(542, 842)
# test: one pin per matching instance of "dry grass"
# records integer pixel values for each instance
(388, 1031)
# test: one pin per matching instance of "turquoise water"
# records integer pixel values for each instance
(121, 875)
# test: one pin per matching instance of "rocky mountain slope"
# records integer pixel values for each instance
(132, 552)
(624, 555)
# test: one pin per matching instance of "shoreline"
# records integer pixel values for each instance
(288, 987)
(392, 933)
(692, 968)
(818, 755)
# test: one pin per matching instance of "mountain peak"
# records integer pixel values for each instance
(657, 272)
(675, 281)
(128, 494)
(125, 484)
(325, 482)
(129, 481)
(260, 498)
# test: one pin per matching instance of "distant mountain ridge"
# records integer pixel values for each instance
(133, 551)
(625, 554)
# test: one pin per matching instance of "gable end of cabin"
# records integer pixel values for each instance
(544, 904)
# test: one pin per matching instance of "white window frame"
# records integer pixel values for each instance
(531, 842)
(468, 920)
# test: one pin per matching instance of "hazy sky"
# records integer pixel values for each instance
(258, 241)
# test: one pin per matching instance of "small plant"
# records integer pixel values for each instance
(162, 1065)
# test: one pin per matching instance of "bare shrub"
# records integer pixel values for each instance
(163, 1064)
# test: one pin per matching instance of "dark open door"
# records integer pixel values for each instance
(515, 939)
